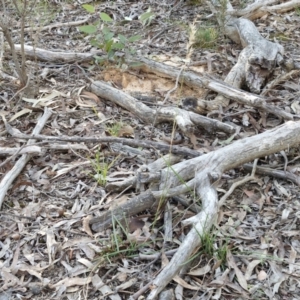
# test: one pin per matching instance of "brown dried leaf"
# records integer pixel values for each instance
(44, 101)
(126, 284)
(164, 259)
(183, 283)
(200, 271)
(240, 277)
(67, 282)
(135, 223)
(20, 113)
(126, 131)
(122, 276)
(86, 225)
(89, 252)
(250, 268)
(103, 288)
(76, 241)
(90, 95)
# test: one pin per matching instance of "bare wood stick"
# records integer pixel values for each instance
(222, 88)
(238, 183)
(136, 205)
(36, 150)
(236, 154)
(129, 142)
(14, 152)
(205, 220)
(56, 57)
(213, 164)
(185, 120)
(254, 10)
(168, 229)
(60, 24)
(284, 7)
(142, 174)
(286, 175)
(20, 164)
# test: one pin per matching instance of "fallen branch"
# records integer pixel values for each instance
(35, 150)
(130, 142)
(212, 165)
(263, 7)
(286, 175)
(186, 121)
(56, 57)
(222, 88)
(62, 25)
(21, 163)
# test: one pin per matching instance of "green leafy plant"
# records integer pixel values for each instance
(101, 168)
(213, 247)
(114, 129)
(104, 38)
(195, 2)
(206, 37)
(118, 245)
(147, 17)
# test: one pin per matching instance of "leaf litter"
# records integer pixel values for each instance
(47, 248)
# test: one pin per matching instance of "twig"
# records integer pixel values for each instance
(18, 151)
(175, 87)
(18, 216)
(238, 183)
(22, 89)
(141, 291)
(63, 25)
(20, 164)
(275, 173)
(124, 141)
(168, 236)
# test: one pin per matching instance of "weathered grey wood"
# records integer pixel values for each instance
(56, 57)
(182, 118)
(11, 175)
(220, 87)
(255, 64)
(137, 204)
(213, 165)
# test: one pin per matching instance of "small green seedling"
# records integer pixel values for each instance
(104, 38)
(119, 244)
(101, 168)
(206, 37)
(114, 129)
(147, 17)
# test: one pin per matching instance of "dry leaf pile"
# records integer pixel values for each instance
(52, 190)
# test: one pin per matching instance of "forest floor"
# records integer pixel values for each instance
(48, 250)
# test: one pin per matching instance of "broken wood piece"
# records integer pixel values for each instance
(186, 121)
(10, 176)
(131, 142)
(35, 150)
(56, 57)
(215, 85)
(213, 164)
